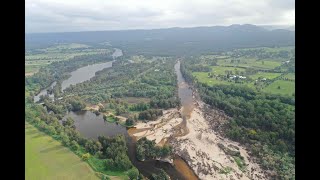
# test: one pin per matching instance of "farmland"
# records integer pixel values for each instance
(251, 62)
(46, 158)
(256, 88)
(281, 87)
(37, 58)
(137, 89)
(262, 69)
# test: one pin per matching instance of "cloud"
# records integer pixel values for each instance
(86, 15)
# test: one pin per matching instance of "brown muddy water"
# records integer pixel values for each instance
(184, 93)
(91, 126)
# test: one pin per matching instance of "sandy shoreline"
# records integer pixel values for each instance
(199, 147)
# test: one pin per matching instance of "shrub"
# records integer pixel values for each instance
(86, 156)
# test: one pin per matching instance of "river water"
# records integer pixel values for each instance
(184, 93)
(80, 75)
(83, 74)
(91, 126)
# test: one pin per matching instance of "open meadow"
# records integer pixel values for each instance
(46, 158)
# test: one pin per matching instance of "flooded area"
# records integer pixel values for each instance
(174, 124)
(91, 126)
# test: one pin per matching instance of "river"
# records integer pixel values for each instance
(80, 75)
(91, 126)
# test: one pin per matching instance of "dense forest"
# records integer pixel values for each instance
(173, 41)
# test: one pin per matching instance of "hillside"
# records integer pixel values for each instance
(172, 41)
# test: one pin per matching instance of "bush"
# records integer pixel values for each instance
(133, 173)
(109, 164)
(105, 177)
(86, 156)
(129, 122)
(162, 175)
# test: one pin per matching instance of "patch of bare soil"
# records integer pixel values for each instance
(29, 74)
(196, 139)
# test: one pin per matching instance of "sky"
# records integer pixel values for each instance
(98, 15)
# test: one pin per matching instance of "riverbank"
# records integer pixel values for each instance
(205, 151)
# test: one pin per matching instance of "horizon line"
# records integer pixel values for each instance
(137, 29)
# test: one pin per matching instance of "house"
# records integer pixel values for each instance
(235, 76)
(232, 76)
(285, 62)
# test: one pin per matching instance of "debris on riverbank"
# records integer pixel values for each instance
(210, 155)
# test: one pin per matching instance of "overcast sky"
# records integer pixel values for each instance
(91, 15)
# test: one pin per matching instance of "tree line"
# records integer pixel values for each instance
(265, 122)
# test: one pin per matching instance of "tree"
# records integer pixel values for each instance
(50, 130)
(69, 122)
(93, 146)
(74, 145)
(64, 139)
(278, 87)
(129, 122)
(77, 104)
(133, 173)
(162, 175)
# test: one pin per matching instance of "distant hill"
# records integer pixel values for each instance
(172, 41)
(273, 27)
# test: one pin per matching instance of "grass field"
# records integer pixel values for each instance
(250, 62)
(32, 68)
(60, 52)
(265, 75)
(286, 87)
(221, 70)
(273, 49)
(290, 76)
(68, 46)
(46, 158)
(203, 77)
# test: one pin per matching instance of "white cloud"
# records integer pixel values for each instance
(84, 15)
